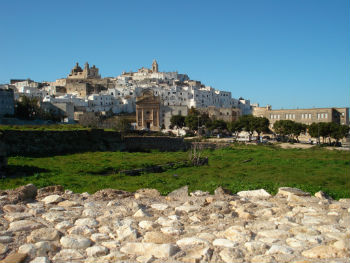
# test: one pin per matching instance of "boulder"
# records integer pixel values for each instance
(22, 194)
(14, 258)
(261, 194)
(149, 249)
(110, 194)
(180, 194)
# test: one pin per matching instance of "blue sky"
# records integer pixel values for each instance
(287, 54)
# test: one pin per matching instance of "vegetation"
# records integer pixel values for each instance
(328, 130)
(250, 124)
(240, 167)
(29, 109)
(195, 119)
(289, 128)
(177, 120)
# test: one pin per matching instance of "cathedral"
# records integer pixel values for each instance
(87, 73)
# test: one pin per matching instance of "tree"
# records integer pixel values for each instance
(194, 119)
(328, 130)
(289, 128)
(314, 130)
(177, 120)
(217, 124)
(123, 125)
(27, 108)
(297, 129)
(235, 127)
(339, 131)
(261, 124)
(253, 124)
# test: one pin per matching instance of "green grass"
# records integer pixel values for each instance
(269, 168)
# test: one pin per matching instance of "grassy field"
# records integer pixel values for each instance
(237, 168)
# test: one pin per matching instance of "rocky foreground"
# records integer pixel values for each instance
(53, 225)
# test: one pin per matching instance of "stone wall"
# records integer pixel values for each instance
(48, 143)
(161, 143)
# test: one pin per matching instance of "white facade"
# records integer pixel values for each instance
(31, 92)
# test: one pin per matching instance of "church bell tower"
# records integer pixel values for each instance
(154, 66)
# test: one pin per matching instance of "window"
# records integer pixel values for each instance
(322, 115)
(326, 115)
(309, 115)
(293, 116)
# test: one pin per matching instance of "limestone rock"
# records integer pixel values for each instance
(222, 191)
(126, 232)
(14, 258)
(180, 194)
(276, 249)
(24, 225)
(40, 260)
(66, 255)
(141, 213)
(3, 248)
(68, 203)
(13, 208)
(5, 239)
(110, 194)
(191, 241)
(23, 193)
(199, 193)
(147, 193)
(81, 230)
(148, 225)
(231, 255)
(187, 208)
(261, 193)
(111, 244)
(157, 238)
(28, 249)
(343, 244)
(43, 234)
(256, 247)
(288, 192)
(322, 195)
(276, 233)
(324, 252)
(145, 259)
(54, 217)
(237, 234)
(169, 230)
(149, 249)
(52, 199)
(98, 237)
(63, 225)
(159, 206)
(96, 251)
(198, 254)
(17, 216)
(75, 242)
(50, 190)
(221, 242)
(43, 247)
(89, 222)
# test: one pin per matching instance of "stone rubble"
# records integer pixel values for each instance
(52, 225)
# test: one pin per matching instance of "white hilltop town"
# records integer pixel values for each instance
(84, 91)
(153, 97)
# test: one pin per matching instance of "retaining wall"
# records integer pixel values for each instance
(48, 143)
